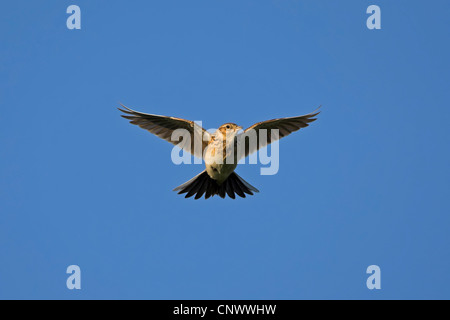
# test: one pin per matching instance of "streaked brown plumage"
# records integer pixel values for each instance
(219, 177)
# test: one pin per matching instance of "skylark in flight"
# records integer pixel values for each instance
(221, 150)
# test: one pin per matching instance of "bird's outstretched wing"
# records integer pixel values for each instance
(163, 127)
(285, 127)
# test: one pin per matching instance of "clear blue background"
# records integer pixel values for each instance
(368, 183)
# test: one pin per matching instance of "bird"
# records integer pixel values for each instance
(221, 150)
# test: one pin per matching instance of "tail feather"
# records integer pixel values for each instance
(188, 182)
(249, 187)
(202, 189)
(203, 184)
(243, 187)
(209, 192)
(237, 188)
(229, 189)
(195, 187)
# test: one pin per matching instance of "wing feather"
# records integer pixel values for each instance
(285, 127)
(163, 127)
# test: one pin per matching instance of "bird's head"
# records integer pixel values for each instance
(229, 129)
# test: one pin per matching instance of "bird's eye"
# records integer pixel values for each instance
(228, 126)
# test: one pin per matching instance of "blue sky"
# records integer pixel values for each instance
(368, 183)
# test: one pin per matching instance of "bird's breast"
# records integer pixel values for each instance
(218, 166)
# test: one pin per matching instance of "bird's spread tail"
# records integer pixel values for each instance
(203, 184)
